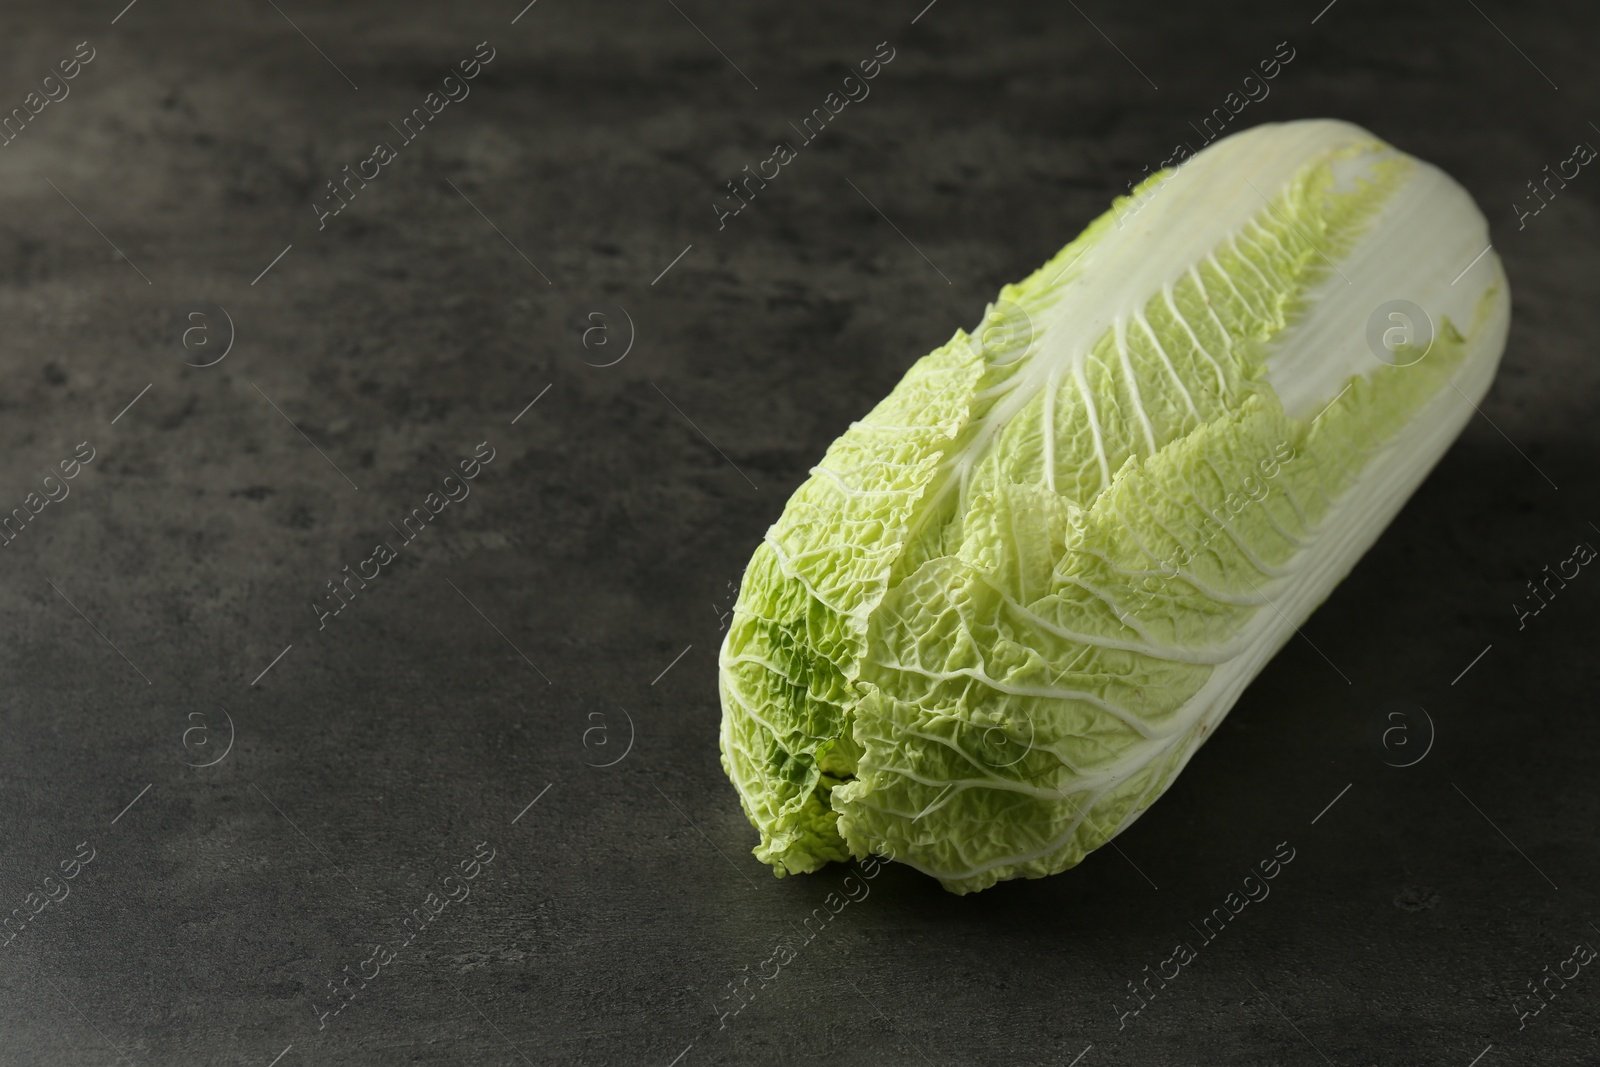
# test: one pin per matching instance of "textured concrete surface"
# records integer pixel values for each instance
(524, 639)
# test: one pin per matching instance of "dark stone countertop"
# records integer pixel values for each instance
(599, 544)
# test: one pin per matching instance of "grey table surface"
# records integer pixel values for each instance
(268, 794)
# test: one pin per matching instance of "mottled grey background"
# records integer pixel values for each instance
(602, 540)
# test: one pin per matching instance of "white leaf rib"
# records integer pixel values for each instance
(1129, 528)
(1120, 341)
(1241, 600)
(1244, 549)
(1051, 384)
(1160, 652)
(849, 490)
(1127, 718)
(1094, 424)
(1305, 523)
(1248, 242)
(1054, 845)
(1172, 305)
(1205, 298)
(1211, 258)
(1268, 289)
(1166, 361)
(1293, 539)
(1296, 258)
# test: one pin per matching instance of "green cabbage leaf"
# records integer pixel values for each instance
(1010, 603)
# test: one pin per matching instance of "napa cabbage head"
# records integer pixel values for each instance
(1010, 603)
